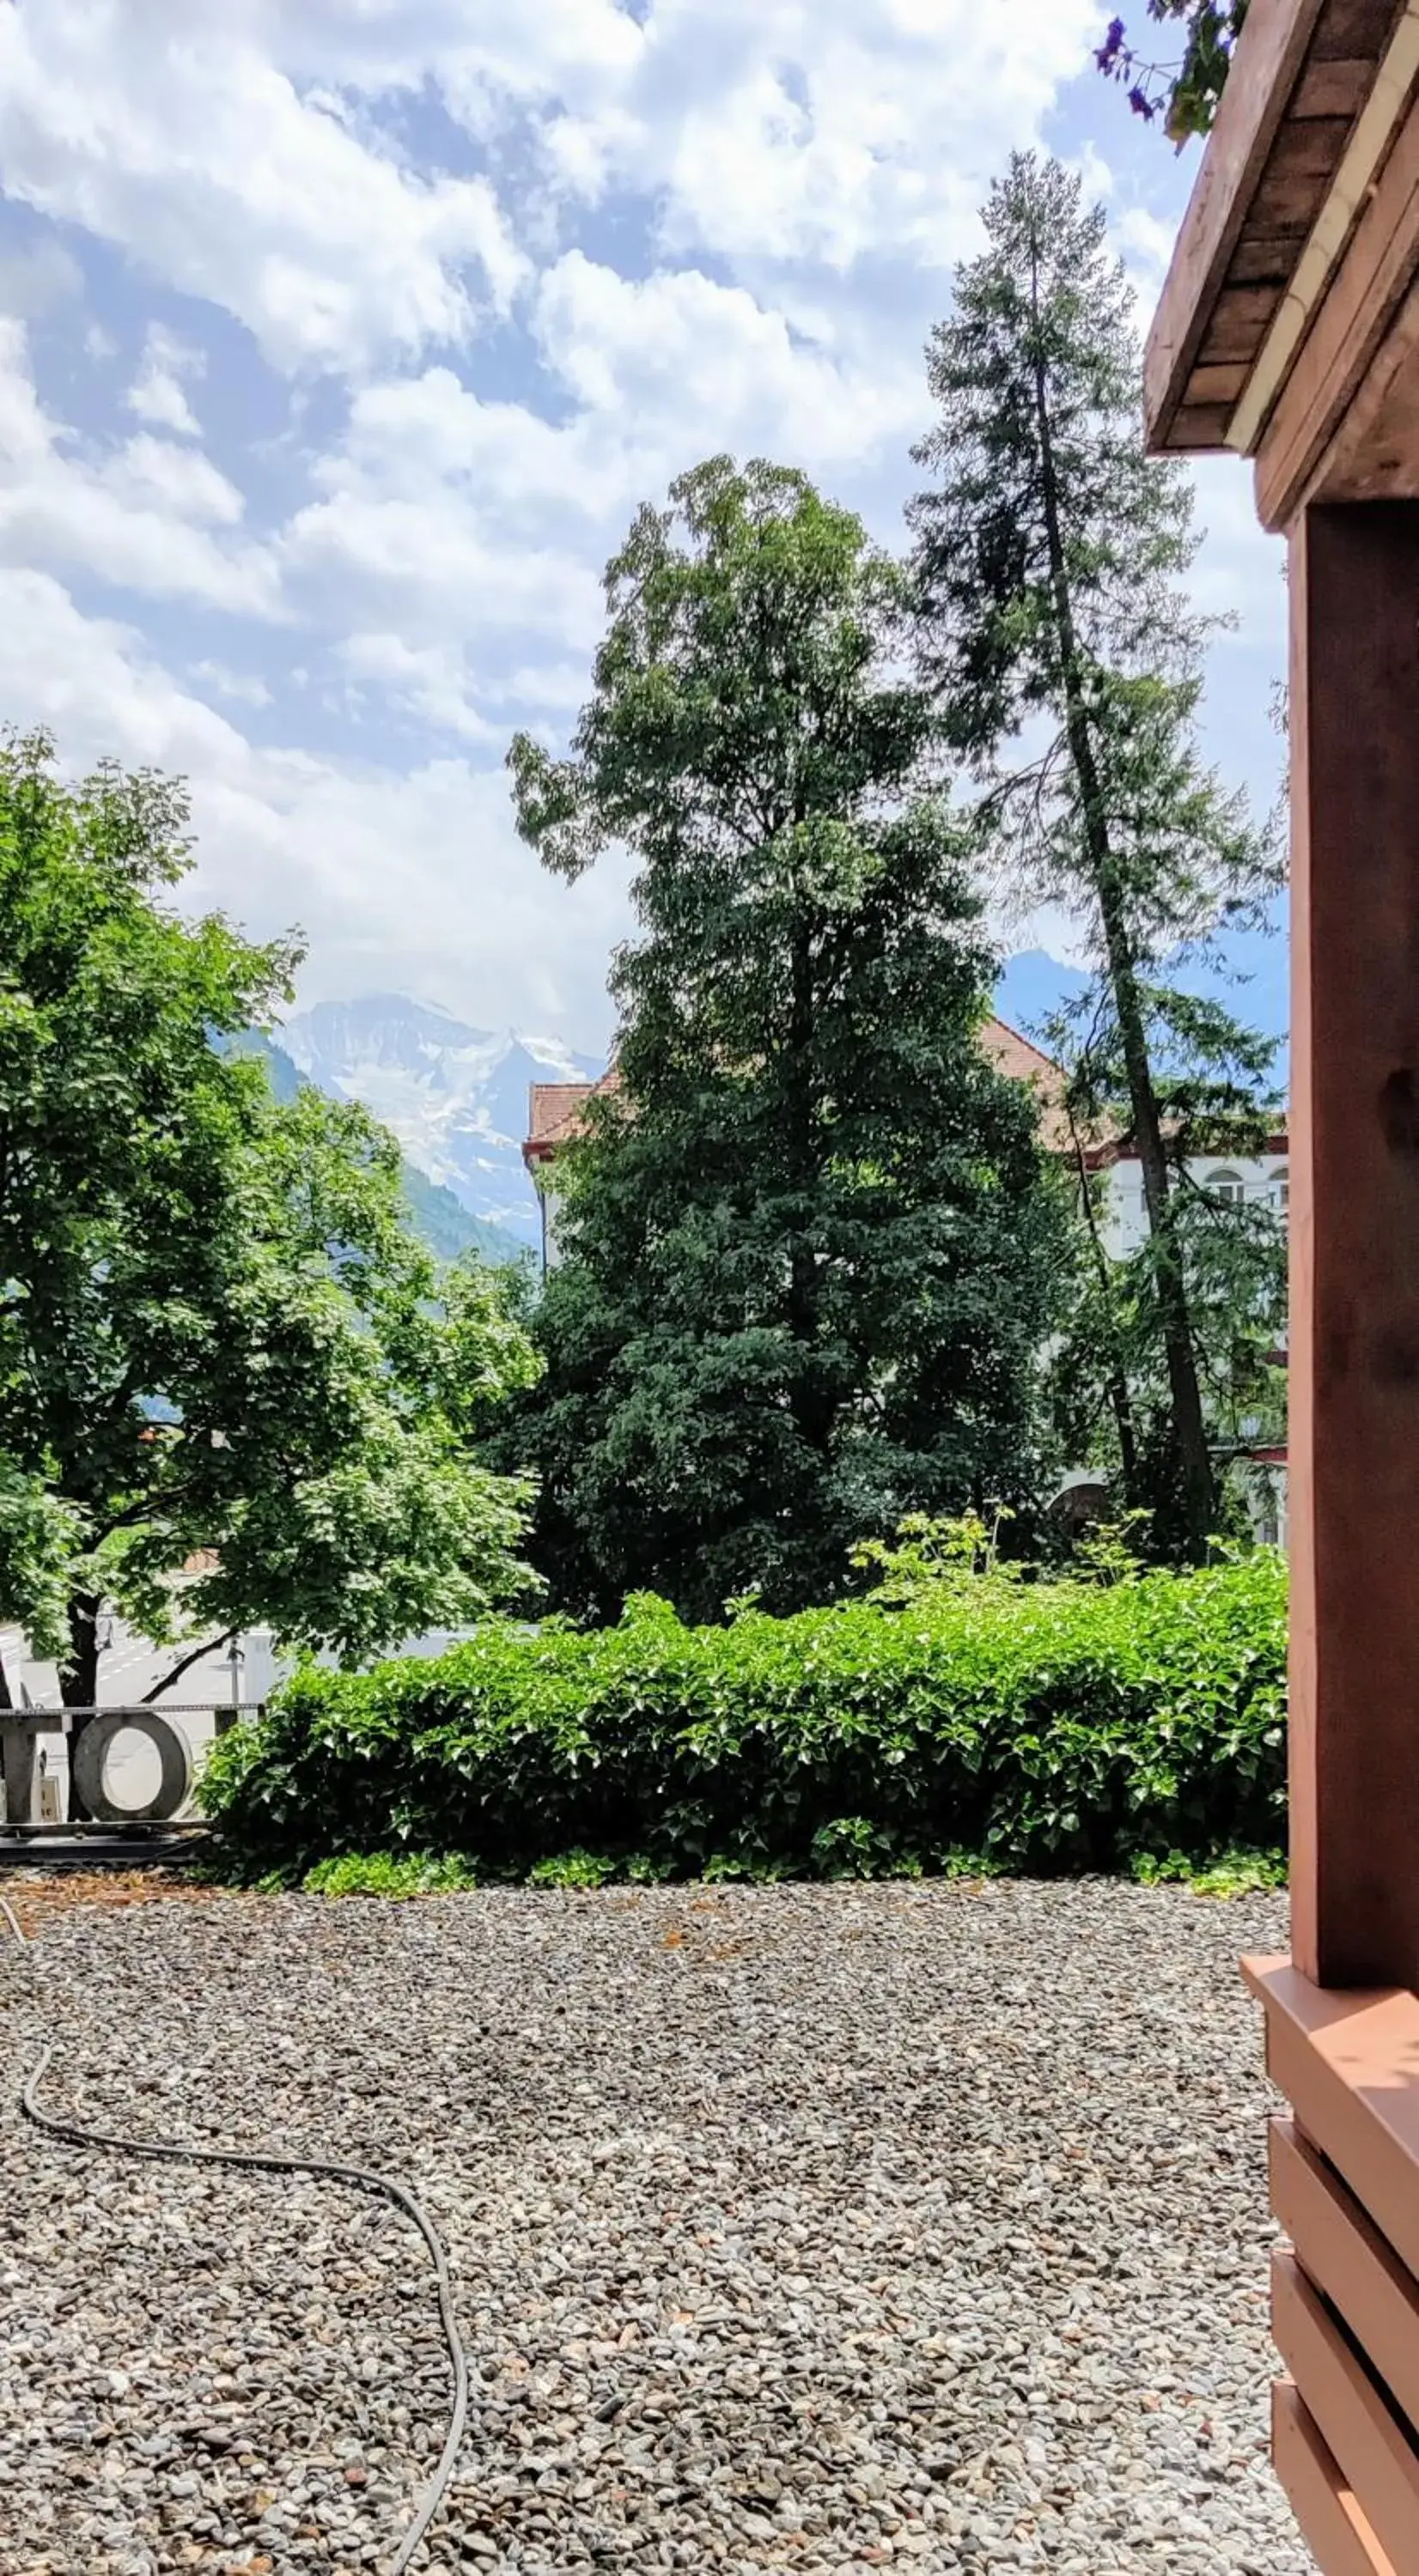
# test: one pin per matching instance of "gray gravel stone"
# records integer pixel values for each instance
(820, 2229)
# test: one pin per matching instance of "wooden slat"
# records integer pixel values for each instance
(1336, 2532)
(1349, 2065)
(1201, 425)
(1269, 57)
(1298, 173)
(1333, 88)
(1220, 384)
(1264, 259)
(1344, 2254)
(1350, 327)
(1354, 28)
(1373, 2452)
(1240, 320)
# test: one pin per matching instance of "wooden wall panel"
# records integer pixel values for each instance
(1344, 2254)
(1332, 2525)
(1375, 2455)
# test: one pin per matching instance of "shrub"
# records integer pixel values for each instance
(1046, 1726)
(386, 1873)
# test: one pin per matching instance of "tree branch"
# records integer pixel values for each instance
(194, 1656)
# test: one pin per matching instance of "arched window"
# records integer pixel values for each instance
(1228, 1187)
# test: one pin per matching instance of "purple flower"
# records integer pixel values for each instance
(1108, 52)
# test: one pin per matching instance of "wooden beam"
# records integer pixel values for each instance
(1374, 455)
(1349, 2066)
(1268, 60)
(1373, 2451)
(1354, 1213)
(1333, 88)
(1334, 2528)
(1340, 2249)
(1346, 336)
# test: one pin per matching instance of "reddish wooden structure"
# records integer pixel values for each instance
(1289, 332)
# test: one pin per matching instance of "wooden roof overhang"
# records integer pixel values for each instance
(1288, 329)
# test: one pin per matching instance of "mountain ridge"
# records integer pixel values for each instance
(437, 1217)
(455, 1096)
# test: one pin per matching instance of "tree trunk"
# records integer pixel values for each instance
(1189, 1427)
(79, 1676)
(812, 1406)
(1116, 1376)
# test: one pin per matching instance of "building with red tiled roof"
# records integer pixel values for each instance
(555, 1111)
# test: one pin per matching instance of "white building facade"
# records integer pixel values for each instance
(1261, 1182)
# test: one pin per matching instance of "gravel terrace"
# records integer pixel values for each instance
(808, 2228)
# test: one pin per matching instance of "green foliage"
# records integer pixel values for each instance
(926, 1553)
(572, 1869)
(1226, 1874)
(217, 1336)
(1055, 627)
(806, 1252)
(1108, 1377)
(398, 1874)
(1184, 91)
(1043, 1726)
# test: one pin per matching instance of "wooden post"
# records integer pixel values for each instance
(1354, 1349)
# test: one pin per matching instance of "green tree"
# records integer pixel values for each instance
(1055, 630)
(218, 1341)
(807, 1247)
(1185, 90)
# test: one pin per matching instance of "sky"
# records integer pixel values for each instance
(340, 339)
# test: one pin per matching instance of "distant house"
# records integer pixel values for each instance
(554, 1116)
(556, 1109)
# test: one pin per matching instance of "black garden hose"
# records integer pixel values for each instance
(356, 2178)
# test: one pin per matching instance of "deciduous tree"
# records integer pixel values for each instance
(218, 1341)
(807, 1249)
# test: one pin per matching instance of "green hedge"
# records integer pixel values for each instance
(1045, 1726)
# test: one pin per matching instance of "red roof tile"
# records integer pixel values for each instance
(555, 1108)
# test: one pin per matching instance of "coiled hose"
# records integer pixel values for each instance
(357, 2178)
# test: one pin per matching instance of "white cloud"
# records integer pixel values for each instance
(681, 365)
(147, 516)
(181, 140)
(449, 531)
(35, 279)
(791, 184)
(1240, 570)
(431, 681)
(242, 686)
(156, 393)
(413, 880)
(772, 129)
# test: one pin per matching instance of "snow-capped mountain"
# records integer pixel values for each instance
(455, 1097)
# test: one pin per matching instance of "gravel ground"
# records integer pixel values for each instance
(805, 2228)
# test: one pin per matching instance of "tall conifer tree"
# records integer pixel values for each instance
(1066, 657)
